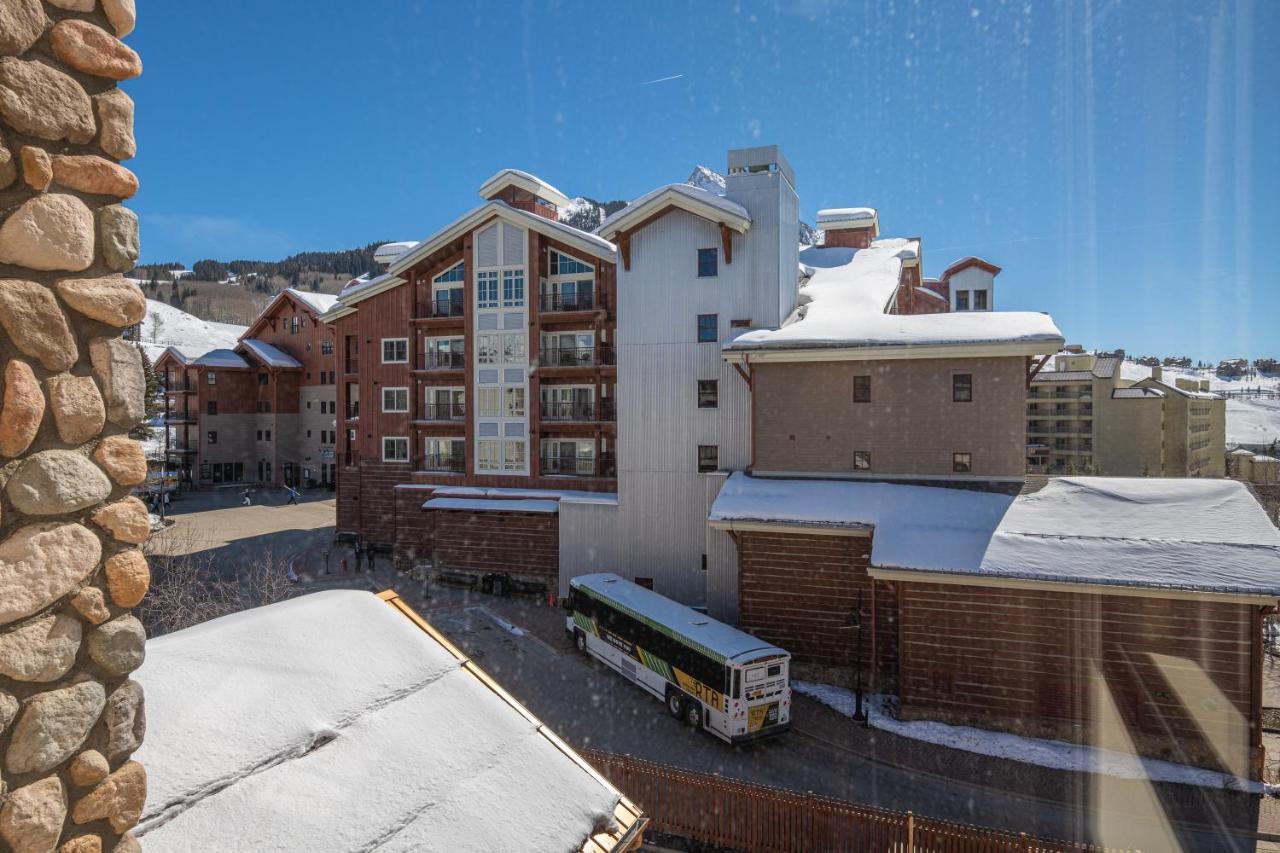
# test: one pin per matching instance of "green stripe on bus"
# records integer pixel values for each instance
(657, 626)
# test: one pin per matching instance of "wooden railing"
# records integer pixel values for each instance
(731, 813)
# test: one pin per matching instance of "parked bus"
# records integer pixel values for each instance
(709, 674)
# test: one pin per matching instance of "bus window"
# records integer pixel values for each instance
(737, 684)
(776, 669)
(755, 674)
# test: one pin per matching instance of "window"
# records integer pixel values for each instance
(708, 393)
(979, 300)
(962, 300)
(708, 458)
(213, 377)
(395, 399)
(512, 288)
(487, 289)
(395, 350)
(262, 379)
(487, 402)
(212, 437)
(487, 348)
(259, 435)
(395, 450)
(565, 265)
(487, 455)
(962, 463)
(213, 407)
(268, 435)
(708, 328)
(862, 389)
(513, 350)
(293, 325)
(647, 583)
(961, 387)
(708, 260)
(457, 273)
(513, 455)
(862, 460)
(515, 403)
(326, 347)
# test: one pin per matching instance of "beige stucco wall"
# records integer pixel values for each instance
(805, 419)
(1128, 438)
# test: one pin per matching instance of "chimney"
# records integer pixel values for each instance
(1157, 373)
(850, 227)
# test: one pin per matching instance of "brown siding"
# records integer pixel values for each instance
(798, 591)
(1022, 661)
(515, 542)
(805, 418)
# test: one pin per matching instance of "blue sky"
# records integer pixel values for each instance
(1120, 161)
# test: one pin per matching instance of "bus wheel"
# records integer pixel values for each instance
(580, 640)
(675, 704)
(693, 715)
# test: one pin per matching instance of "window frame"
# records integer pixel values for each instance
(383, 350)
(712, 385)
(862, 388)
(394, 389)
(714, 254)
(962, 300)
(487, 290)
(967, 462)
(957, 388)
(862, 460)
(715, 328)
(211, 437)
(703, 467)
(986, 301)
(396, 438)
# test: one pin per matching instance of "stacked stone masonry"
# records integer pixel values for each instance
(70, 564)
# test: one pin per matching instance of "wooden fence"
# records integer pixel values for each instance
(745, 816)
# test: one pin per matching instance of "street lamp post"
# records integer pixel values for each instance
(854, 622)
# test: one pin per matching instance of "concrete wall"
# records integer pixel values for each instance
(1128, 437)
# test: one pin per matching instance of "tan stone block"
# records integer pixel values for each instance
(89, 768)
(115, 120)
(93, 50)
(23, 408)
(37, 168)
(53, 482)
(94, 175)
(128, 844)
(74, 5)
(126, 520)
(112, 299)
(117, 365)
(32, 816)
(22, 22)
(53, 231)
(40, 563)
(82, 844)
(41, 650)
(119, 798)
(53, 726)
(128, 578)
(123, 459)
(40, 100)
(8, 165)
(122, 15)
(118, 236)
(78, 410)
(91, 604)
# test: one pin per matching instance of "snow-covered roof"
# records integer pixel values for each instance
(1240, 451)
(1260, 459)
(336, 721)
(1136, 393)
(695, 200)
(495, 492)
(837, 218)
(388, 252)
(1050, 376)
(270, 355)
(317, 303)
(1182, 392)
(501, 505)
(714, 637)
(362, 284)
(935, 294)
(525, 181)
(1194, 534)
(843, 306)
(221, 358)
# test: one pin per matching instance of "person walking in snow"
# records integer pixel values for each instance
(244, 498)
(293, 495)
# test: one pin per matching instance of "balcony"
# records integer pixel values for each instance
(553, 303)
(444, 412)
(580, 466)
(449, 463)
(602, 356)
(439, 309)
(571, 412)
(181, 448)
(351, 366)
(442, 361)
(353, 410)
(186, 417)
(186, 386)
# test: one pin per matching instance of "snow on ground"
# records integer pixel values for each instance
(333, 722)
(1133, 371)
(166, 326)
(844, 304)
(1054, 754)
(1253, 421)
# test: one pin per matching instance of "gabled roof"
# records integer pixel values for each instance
(213, 358)
(686, 197)
(270, 355)
(341, 720)
(314, 303)
(846, 218)
(525, 181)
(388, 252)
(1136, 393)
(965, 263)
(362, 289)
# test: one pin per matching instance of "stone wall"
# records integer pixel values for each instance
(70, 566)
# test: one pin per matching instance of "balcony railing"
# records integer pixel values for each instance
(576, 356)
(443, 412)
(442, 361)
(186, 417)
(353, 410)
(352, 365)
(440, 308)
(595, 410)
(581, 466)
(182, 387)
(451, 462)
(553, 302)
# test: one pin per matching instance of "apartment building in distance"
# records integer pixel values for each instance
(1083, 417)
(262, 412)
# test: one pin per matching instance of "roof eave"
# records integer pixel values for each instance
(673, 198)
(886, 352)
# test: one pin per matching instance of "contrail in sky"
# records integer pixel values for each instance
(662, 80)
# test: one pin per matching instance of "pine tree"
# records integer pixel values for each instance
(151, 399)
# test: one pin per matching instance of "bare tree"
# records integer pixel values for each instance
(156, 324)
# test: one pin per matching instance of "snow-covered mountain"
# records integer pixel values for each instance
(1250, 420)
(166, 326)
(706, 179)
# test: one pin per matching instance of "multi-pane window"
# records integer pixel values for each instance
(212, 377)
(515, 402)
(293, 325)
(513, 349)
(395, 449)
(962, 463)
(979, 300)
(326, 347)
(962, 300)
(213, 407)
(862, 388)
(862, 460)
(708, 393)
(395, 399)
(565, 265)
(487, 289)
(457, 272)
(513, 455)
(395, 350)
(708, 458)
(488, 455)
(488, 402)
(512, 288)
(708, 328)
(487, 348)
(212, 437)
(961, 387)
(708, 260)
